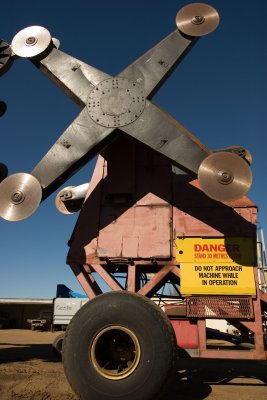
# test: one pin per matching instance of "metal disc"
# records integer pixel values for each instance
(3, 172)
(197, 19)
(116, 102)
(224, 176)
(31, 41)
(20, 195)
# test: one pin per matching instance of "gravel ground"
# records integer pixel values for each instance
(29, 370)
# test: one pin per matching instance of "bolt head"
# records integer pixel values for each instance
(31, 41)
(17, 197)
(198, 20)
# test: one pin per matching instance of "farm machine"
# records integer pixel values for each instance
(164, 220)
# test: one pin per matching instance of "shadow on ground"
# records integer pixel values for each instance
(194, 380)
(27, 352)
(196, 377)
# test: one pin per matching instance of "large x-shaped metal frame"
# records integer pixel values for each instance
(110, 104)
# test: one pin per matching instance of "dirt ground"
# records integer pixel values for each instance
(29, 370)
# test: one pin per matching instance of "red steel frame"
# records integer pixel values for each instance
(131, 216)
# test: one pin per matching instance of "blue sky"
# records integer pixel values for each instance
(218, 92)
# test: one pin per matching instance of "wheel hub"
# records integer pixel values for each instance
(115, 352)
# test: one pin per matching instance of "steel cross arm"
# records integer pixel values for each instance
(79, 143)
(74, 77)
(163, 133)
(156, 65)
(83, 138)
(113, 104)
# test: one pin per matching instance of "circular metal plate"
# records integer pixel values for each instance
(224, 176)
(116, 102)
(197, 19)
(5, 57)
(3, 172)
(31, 41)
(20, 195)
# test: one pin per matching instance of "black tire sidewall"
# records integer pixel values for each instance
(57, 344)
(154, 334)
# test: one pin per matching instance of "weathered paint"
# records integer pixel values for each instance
(137, 208)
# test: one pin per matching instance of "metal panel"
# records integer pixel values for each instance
(161, 132)
(134, 204)
(151, 68)
(148, 226)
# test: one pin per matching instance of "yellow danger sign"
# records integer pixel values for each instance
(216, 265)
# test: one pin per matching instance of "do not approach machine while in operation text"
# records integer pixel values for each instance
(165, 211)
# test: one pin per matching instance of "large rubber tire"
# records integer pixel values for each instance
(58, 344)
(119, 317)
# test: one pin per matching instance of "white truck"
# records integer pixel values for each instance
(64, 309)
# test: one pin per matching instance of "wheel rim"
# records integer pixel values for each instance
(115, 352)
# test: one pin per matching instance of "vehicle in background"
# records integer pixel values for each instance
(64, 309)
(232, 330)
(42, 322)
(65, 291)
